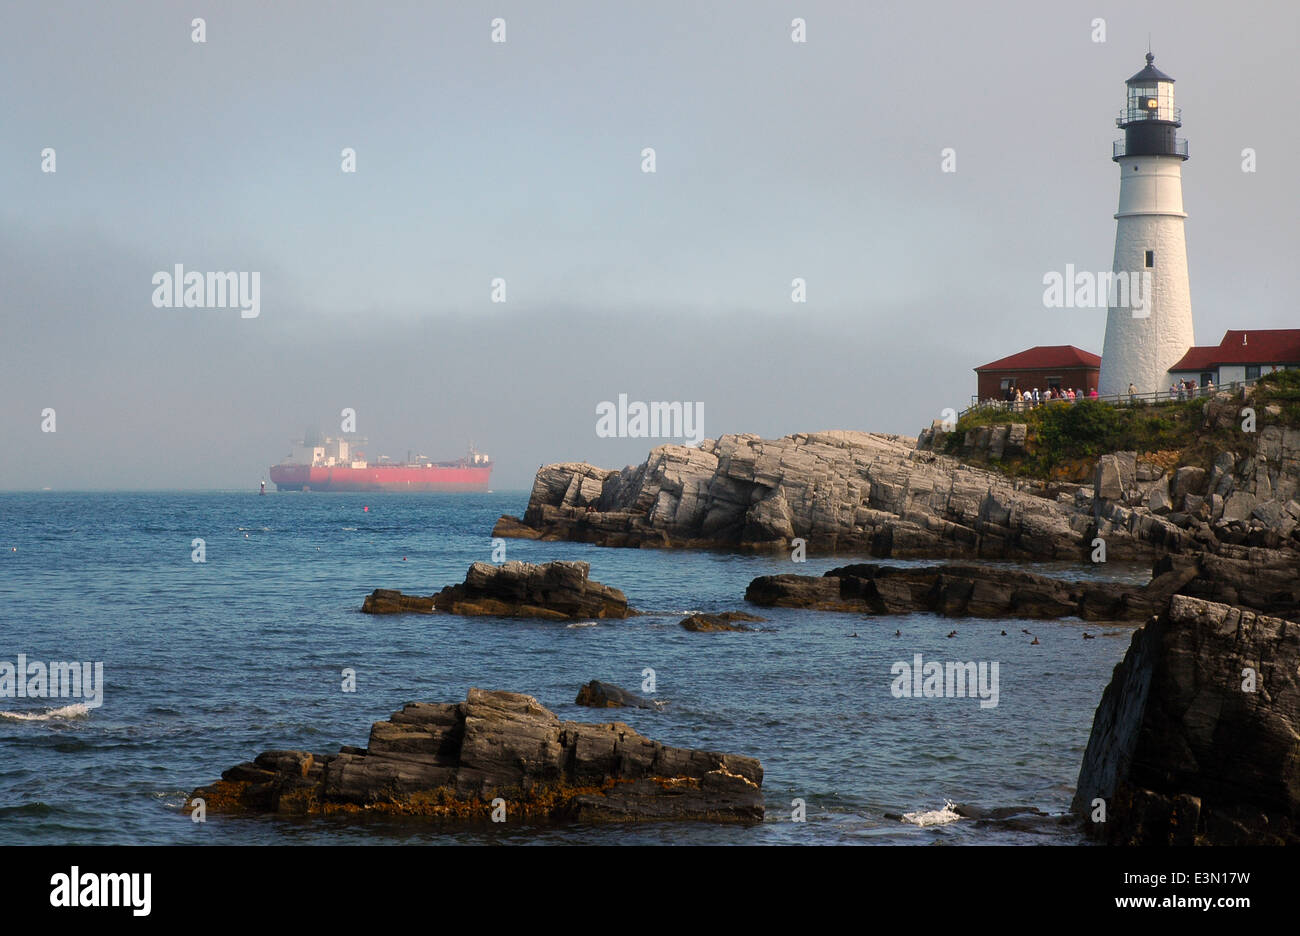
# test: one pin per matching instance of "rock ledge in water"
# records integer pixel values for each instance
(451, 761)
(597, 694)
(557, 591)
(726, 621)
(964, 591)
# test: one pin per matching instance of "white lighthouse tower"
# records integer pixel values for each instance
(1144, 338)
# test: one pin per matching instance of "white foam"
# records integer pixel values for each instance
(76, 710)
(933, 816)
(582, 624)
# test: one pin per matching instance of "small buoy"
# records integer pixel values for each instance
(403, 558)
(1004, 633)
(1034, 642)
(366, 509)
(854, 634)
(953, 634)
(898, 633)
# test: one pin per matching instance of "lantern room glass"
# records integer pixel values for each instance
(1139, 96)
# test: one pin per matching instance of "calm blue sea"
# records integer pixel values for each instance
(206, 665)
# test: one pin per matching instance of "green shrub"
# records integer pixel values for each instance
(1280, 385)
(1085, 428)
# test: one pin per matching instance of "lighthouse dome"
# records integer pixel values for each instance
(1150, 74)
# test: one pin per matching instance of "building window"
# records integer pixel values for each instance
(1206, 378)
(1054, 383)
(1151, 259)
(1252, 371)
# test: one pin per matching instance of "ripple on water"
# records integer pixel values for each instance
(254, 662)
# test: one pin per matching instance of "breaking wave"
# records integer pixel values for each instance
(933, 816)
(63, 712)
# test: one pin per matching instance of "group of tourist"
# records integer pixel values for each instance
(1014, 398)
(1021, 400)
(1187, 389)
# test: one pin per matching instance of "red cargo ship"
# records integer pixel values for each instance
(333, 465)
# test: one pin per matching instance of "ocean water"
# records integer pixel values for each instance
(208, 664)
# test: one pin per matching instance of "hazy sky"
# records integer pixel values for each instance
(522, 160)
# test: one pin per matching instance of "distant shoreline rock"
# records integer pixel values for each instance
(452, 761)
(555, 591)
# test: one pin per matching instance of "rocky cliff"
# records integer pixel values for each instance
(1197, 738)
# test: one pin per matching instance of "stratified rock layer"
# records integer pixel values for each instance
(451, 761)
(1181, 751)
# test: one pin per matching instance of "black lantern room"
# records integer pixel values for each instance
(1150, 120)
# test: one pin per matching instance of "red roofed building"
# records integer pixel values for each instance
(1241, 355)
(1063, 366)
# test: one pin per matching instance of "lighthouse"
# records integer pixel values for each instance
(1148, 333)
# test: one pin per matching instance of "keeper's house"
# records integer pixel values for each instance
(1241, 355)
(1042, 367)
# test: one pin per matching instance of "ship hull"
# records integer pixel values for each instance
(384, 478)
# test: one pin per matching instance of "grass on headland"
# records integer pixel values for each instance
(1062, 435)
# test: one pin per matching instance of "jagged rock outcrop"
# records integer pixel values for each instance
(849, 491)
(1197, 737)
(726, 621)
(989, 442)
(556, 591)
(597, 694)
(451, 761)
(1261, 580)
